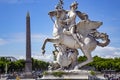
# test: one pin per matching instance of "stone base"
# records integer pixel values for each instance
(72, 74)
(28, 75)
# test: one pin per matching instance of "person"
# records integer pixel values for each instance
(71, 22)
(17, 77)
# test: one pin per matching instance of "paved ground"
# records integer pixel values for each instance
(15, 79)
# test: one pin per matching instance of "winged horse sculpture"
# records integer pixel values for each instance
(85, 28)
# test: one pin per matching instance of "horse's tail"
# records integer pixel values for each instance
(105, 40)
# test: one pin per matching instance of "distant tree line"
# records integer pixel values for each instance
(103, 63)
(98, 63)
(19, 65)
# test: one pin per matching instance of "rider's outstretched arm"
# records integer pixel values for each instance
(82, 16)
(52, 13)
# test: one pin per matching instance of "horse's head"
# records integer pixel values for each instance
(59, 13)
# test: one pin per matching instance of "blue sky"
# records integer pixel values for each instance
(13, 25)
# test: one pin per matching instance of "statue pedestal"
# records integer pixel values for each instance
(71, 74)
(28, 75)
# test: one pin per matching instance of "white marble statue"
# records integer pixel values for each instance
(66, 57)
(71, 22)
(69, 35)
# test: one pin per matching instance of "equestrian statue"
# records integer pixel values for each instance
(69, 36)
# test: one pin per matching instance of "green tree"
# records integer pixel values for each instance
(2, 67)
(39, 65)
(103, 63)
(81, 59)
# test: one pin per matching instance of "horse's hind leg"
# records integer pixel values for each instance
(48, 40)
(89, 59)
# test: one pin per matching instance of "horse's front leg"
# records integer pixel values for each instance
(48, 40)
(43, 47)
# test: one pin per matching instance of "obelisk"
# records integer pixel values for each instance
(28, 63)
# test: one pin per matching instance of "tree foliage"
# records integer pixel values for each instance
(39, 65)
(103, 63)
(98, 63)
(19, 65)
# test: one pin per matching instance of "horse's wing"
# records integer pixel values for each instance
(85, 27)
(89, 24)
(80, 27)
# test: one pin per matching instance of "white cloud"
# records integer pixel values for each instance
(107, 52)
(46, 57)
(38, 37)
(17, 37)
(20, 57)
(2, 41)
(21, 38)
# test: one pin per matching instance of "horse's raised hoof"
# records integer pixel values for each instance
(43, 52)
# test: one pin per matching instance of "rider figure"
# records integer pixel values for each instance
(71, 22)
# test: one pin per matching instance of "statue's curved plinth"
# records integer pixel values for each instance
(72, 74)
